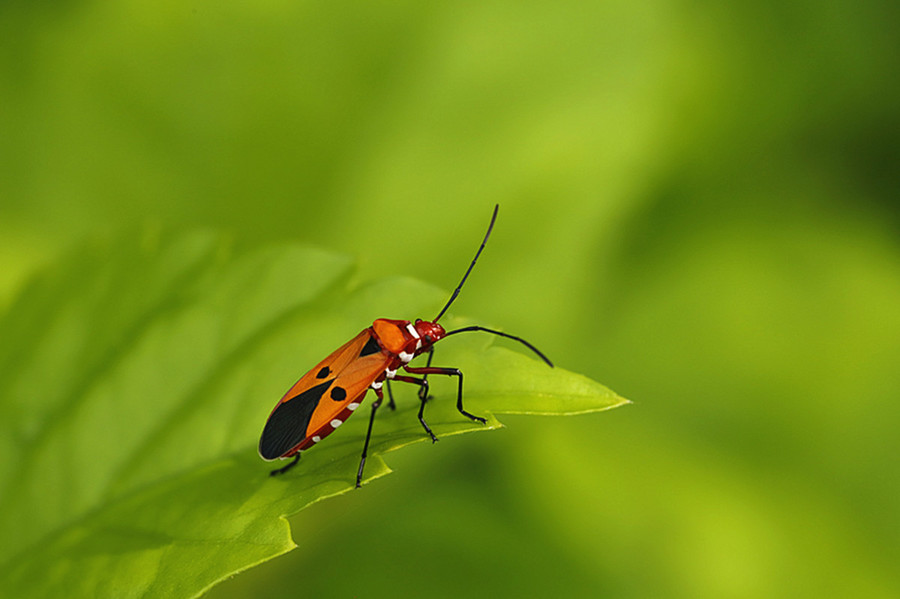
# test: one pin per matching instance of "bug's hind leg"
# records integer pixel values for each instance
(284, 469)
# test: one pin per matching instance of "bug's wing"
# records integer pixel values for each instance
(325, 397)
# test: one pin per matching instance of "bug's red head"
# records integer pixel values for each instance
(429, 333)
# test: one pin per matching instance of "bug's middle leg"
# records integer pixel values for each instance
(423, 396)
(365, 451)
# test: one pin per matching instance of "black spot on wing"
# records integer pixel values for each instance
(338, 394)
(371, 347)
(286, 426)
(323, 373)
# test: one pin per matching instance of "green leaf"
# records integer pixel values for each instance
(135, 378)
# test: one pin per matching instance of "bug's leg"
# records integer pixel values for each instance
(449, 372)
(423, 390)
(365, 452)
(391, 403)
(284, 469)
(423, 386)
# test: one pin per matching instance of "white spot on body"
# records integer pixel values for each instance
(336, 423)
(352, 406)
(415, 334)
(405, 357)
(390, 373)
(316, 439)
(377, 385)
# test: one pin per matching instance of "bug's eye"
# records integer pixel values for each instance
(427, 340)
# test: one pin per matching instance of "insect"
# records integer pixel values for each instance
(328, 394)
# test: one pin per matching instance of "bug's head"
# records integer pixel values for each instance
(429, 333)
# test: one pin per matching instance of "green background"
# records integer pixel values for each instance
(699, 208)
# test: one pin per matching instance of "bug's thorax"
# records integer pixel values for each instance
(405, 339)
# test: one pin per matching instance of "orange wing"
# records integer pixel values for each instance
(324, 398)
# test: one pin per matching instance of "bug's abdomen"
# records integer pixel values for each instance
(321, 427)
(287, 424)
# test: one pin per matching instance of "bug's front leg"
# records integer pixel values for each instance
(426, 370)
(423, 390)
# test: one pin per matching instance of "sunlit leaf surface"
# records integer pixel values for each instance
(135, 378)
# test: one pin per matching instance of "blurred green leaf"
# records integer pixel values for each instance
(135, 378)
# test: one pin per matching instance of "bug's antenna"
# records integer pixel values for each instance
(508, 336)
(474, 260)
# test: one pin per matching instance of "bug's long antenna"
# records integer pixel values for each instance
(474, 260)
(513, 337)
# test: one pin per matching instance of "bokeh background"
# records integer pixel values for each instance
(699, 208)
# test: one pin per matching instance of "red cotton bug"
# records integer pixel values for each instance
(329, 393)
